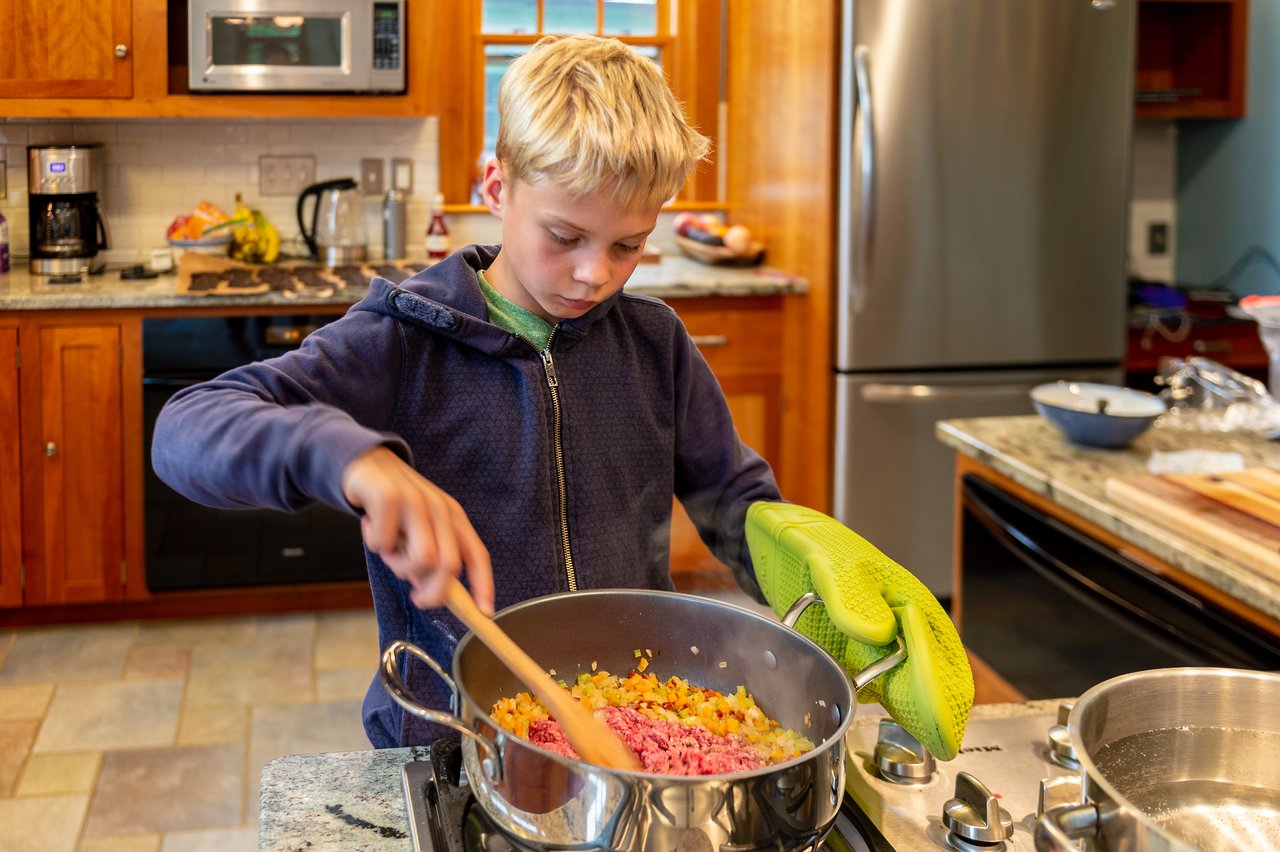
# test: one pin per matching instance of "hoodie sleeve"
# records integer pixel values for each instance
(279, 433)
(718, 477)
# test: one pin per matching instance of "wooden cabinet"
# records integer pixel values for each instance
(63, 485)
(1191, 58)
(1233, 343)
(742, 342)
(67, 49)
(10, 475)
(127, 59)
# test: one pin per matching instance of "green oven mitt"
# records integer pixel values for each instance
(869, 599)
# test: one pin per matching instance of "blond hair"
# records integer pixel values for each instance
(590, 113)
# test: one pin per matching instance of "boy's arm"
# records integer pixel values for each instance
(279, 433)
(717, 477)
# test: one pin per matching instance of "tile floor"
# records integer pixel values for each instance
(152, 736)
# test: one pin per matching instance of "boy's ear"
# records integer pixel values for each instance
(493, 187)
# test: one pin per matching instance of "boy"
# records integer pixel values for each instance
(509, 410)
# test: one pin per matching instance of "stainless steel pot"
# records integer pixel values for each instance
(545, 801)
(1174, 759)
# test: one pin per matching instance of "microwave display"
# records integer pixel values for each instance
(352, 46)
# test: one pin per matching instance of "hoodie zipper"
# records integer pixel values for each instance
(549, 367)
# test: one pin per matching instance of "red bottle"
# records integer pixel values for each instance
(437, 231)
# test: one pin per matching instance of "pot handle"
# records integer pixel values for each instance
(391, 680)
(871, 672)
(1058, 827)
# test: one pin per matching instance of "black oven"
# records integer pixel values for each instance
(189, 546)
(1054, 612)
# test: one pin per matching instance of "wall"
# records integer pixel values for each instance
(159, 169)
(1229, 176)
(1153, 198)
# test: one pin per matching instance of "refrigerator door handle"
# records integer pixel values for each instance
(867, 168)
(882, 392)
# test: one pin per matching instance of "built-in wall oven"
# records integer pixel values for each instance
(1055, 612)
(190, 546)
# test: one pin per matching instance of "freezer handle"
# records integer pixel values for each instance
(882, 392)
(867, 166)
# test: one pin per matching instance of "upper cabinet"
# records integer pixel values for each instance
(1192, 58)
(127, 59)
(46, 58)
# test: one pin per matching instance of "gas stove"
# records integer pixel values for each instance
(896, 797)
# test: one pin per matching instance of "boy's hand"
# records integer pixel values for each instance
(418, 530)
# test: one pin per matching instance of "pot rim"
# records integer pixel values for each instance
(1089, 769)
(503, 739)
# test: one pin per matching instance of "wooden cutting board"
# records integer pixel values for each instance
(1235, 514)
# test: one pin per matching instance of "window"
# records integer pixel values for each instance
(681, 36)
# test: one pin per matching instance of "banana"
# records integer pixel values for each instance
(255, 239)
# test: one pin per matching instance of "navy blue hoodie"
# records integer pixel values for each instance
(419, 368)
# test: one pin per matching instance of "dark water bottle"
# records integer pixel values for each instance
(4, 244)
(393, 225)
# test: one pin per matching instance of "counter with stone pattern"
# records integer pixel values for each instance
(1034, 454)
(674, 276)
(355, 800)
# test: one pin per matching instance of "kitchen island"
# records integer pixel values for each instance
(1028, 458)
(355, 800)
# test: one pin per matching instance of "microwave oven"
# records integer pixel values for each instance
(354, 46)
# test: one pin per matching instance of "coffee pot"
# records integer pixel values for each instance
(336, 232)
(64, 211)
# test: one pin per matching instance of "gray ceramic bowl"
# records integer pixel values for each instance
(1097, 415)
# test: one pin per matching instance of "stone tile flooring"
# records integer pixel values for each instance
(152, 736)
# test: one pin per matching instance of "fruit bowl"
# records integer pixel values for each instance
(720, 254)
(1096, 415)
(209, 245)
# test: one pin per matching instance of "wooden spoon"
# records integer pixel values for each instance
(595, 741)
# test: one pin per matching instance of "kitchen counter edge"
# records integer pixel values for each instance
(673, 277)
(1032, 453)
(355, 800)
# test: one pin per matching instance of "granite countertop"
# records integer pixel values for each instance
(1034, 454)
(675, 276)
(355, 800)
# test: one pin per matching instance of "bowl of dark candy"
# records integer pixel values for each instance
(1097, 415)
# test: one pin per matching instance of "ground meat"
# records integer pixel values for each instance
(664, 748)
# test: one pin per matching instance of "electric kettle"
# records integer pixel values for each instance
(336, 234)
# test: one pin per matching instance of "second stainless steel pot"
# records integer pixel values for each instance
(545, 801)
(1178, 759)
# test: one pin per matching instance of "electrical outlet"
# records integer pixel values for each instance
(4, 182)
(285, 175)
(1157, 238)
(371, 176)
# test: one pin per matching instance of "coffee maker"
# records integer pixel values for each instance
(65, 212)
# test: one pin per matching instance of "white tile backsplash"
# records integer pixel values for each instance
(158, 169)
(1153, 197)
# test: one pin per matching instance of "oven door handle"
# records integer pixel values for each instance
(172, 381)
(1085, 590)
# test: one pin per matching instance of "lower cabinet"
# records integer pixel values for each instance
(65, 541)
(742, 342)
(10, 472)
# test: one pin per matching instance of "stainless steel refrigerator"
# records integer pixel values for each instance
(983, 199)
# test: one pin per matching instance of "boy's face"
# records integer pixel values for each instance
(561, 255)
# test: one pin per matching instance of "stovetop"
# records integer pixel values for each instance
(1008, 758)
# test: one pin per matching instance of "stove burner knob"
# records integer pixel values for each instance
(899, 757)
(1061, 751)
(1056, 792)
(974, 818)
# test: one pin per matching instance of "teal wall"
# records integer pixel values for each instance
(1228, 181)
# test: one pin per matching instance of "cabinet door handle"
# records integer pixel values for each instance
(51, 449)
(122, 50)
(701, 340)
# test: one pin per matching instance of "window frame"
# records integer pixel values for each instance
(691, 48)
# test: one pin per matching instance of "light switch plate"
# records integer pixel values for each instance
(285, 175)
(371, 182)
(402, 175)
